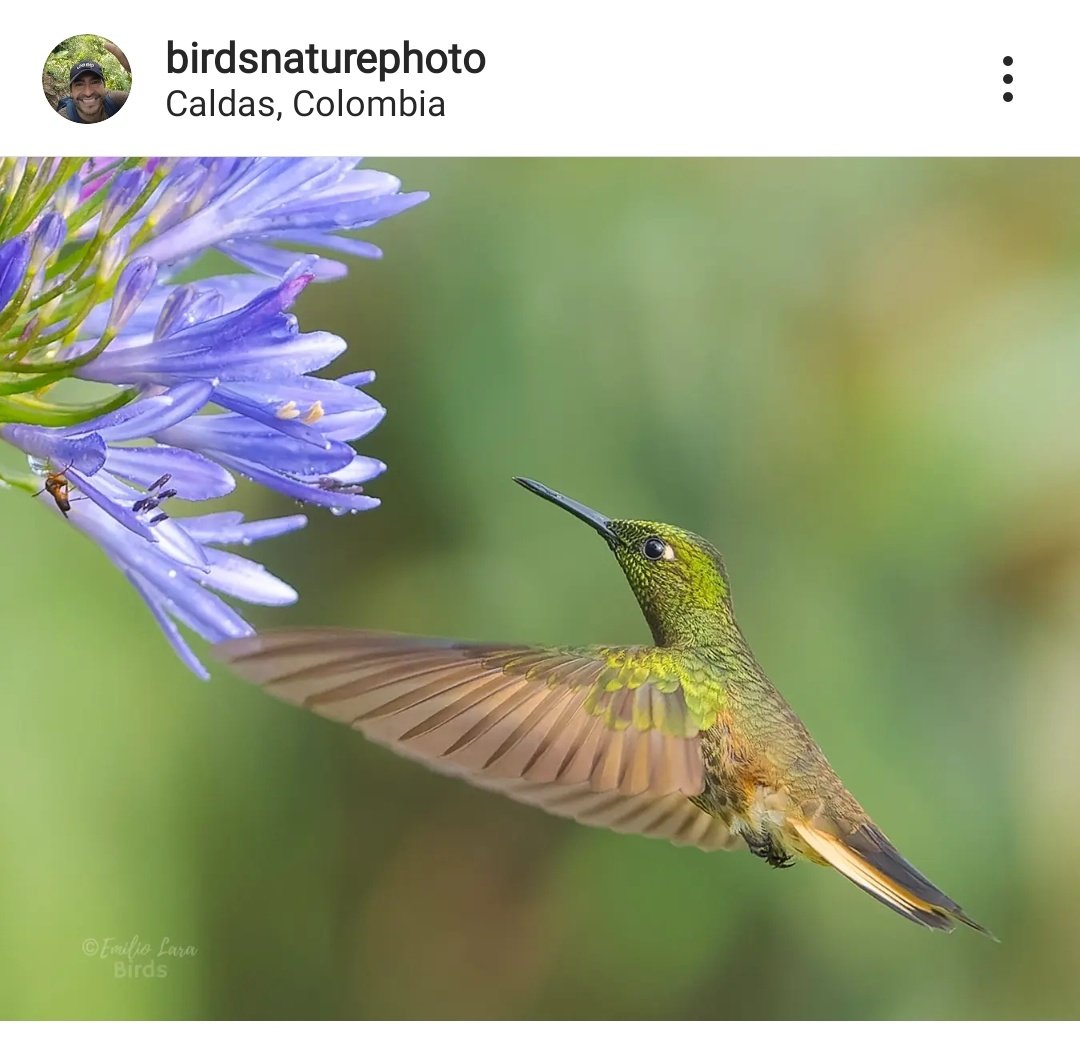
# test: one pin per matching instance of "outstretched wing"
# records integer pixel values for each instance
(608, 737)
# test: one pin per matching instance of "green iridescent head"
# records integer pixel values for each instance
(679, 578)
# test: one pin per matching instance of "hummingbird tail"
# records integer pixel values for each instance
(867, 858)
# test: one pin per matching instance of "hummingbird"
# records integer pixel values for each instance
(686, 739)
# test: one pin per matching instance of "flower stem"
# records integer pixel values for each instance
(24, 481)
(65, 169)
(15, 205)
(44, 413)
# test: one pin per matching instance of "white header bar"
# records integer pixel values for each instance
(832, 77)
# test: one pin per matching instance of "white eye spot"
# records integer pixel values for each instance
(669, 553)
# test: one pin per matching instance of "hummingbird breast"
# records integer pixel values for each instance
(763, 769)
(751, 800)
(727, 778)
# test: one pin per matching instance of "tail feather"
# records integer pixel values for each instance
(868, 859)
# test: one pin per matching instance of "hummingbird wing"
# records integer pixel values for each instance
(605, 736)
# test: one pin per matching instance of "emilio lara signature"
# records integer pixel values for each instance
(136, 957)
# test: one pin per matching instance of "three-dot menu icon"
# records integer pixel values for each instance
(1007, 78)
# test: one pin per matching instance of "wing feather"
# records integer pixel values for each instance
(671, 818)
(557, 729)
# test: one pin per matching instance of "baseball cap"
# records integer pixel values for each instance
(85, 66)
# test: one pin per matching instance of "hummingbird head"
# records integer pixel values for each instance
(678, 578)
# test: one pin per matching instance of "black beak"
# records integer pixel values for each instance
(583, 512)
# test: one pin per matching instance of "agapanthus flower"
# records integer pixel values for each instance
(190, 380)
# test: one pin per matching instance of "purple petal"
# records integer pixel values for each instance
(339, 243)
(349, 425)
(132, 287)
(168, 204)
(240, 437)
(176, 543)
(114, 254)
(258, 341)
(282, 415)
(155, 600)
(194, 606)
(274, 262)
(192, 476)
(234, 290)
(244, 204)
(304, 407)
(187, 306)
(229, 528)
(118, 500)
(247, 580)
(326, 494)
(121, 512)
(70, 448)
(148, 414)
(48, 237)
(202, 611)
(122, 193)
(358, 378)
(67, 196)
(360, 470)
(14, 257)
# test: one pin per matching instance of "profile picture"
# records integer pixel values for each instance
(86, 79)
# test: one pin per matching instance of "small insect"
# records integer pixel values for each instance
(58, 485)
(328, 483)
(155, 496)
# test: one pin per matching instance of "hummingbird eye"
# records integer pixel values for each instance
(654, 548)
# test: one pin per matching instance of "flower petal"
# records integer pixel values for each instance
(156, 601)
(196, 607)
(271, 261)
(232, 290)
(118, 511)
(14, 257)
(178, 545)
(247, 580)
(229, 528)
(324, 491)
(242, 204)
(148, 414)
(261, 340)
(360, 470)
(303, 406)
(240, 437)
(62, 449)
(191, 476)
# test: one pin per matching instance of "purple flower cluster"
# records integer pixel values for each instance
(202, 377)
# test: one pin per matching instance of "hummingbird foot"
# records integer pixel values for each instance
(765, 846)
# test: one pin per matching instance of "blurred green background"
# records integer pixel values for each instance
(859, 378)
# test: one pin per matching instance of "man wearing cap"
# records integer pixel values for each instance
(90, 102)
